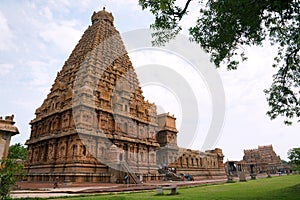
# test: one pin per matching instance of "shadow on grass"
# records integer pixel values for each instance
(166, 194)
(292, 192)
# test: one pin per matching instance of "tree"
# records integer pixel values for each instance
(284, 162)
(294, 156)
(10, 169)
(224, 27)
(17, 151)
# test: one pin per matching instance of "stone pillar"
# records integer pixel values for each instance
(135, 153)
(241, 173)
(130, 152)
(7, 130)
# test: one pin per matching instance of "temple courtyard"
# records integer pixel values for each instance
(277, 187)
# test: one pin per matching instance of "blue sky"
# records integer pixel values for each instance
(37, 36)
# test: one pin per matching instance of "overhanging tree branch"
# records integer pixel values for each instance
(224, 26)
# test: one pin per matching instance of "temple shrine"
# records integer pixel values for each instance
(95, 124)
(260, 160)
(7, 130)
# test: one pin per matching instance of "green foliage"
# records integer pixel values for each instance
(224, 27)
(284, 162)
(8, 176)
(17, 151)
(10, 170)
(294, 156)
(167, 17)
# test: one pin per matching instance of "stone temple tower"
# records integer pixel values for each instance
(95, 124)
(95, 107)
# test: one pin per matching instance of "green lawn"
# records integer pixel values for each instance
(280, 187)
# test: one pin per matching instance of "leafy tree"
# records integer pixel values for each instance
(294, 156)
(17, 151)
(284, 162)
(224, 27)
(9, 170)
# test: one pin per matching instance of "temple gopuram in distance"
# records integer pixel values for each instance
(95, 124)
(255, 161)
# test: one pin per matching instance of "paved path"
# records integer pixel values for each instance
(44, 190)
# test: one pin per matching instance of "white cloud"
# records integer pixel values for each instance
(64, 35)
(39, 74)
(46, 12)
(6, 34)
(5, 69)
(130, 5)
(63, 6)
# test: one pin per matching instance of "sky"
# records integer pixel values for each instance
(37, 36)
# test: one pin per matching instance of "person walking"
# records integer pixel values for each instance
(55, 185)
(126, 179)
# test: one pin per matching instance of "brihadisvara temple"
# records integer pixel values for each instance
(96, 126)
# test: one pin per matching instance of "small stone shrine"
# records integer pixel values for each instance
(7, 130)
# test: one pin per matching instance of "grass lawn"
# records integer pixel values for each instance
(279, 187)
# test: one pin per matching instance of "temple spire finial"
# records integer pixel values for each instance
(102, 15)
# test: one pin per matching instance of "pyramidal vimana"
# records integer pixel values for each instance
(95, 125)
